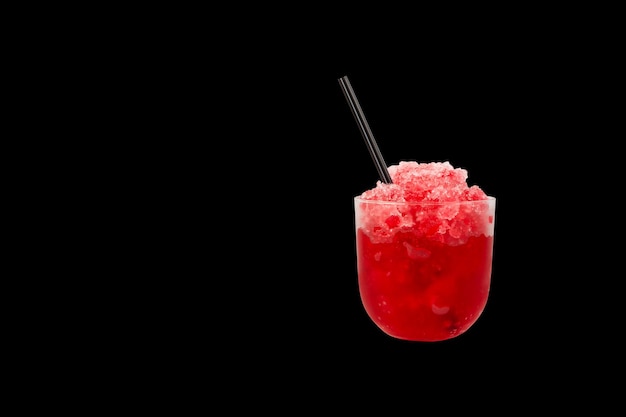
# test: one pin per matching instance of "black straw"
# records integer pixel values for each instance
(365, 129)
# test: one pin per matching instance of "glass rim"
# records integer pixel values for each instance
(358, 199)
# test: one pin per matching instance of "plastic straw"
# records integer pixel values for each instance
(364, 127)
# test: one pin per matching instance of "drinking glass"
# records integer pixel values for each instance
(424, 269)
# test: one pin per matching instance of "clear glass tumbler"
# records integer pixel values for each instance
(424, 269)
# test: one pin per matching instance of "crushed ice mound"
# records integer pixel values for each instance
(430, 183)
(419, 182)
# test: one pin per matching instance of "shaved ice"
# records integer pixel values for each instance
(419, 182)
(415, 198)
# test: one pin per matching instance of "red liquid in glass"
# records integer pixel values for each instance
(416, 288)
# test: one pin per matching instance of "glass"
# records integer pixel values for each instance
(424, 269)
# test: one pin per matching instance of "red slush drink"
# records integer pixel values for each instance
(424, 247)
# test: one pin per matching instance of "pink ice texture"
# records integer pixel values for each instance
(415, 196)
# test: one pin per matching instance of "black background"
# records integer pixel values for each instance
(273, 189)
(234, 160)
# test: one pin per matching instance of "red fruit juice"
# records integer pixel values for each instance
(424, 252)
